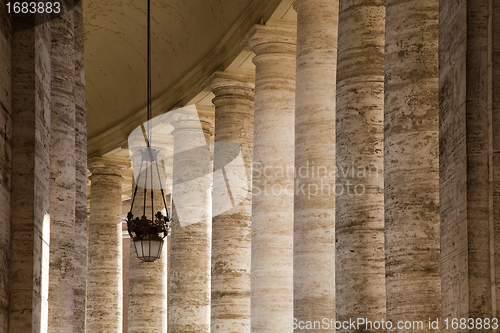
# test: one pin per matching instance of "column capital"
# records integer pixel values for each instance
(221, 79)
(263, 39)
(298, 3)
(104, 166)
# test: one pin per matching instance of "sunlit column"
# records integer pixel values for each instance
(360, 261)
(314, 218)
(273, 178)
(231, 234)
(104, 280)
(148, 298)
(189, 294)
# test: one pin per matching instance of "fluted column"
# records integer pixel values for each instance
(360, 261)
(231, 234)
(273, 177)
(147, 307)
(411, 160)
(467, 160)
(314, 218)
(189, 294)
(63, 177)
(104, 282)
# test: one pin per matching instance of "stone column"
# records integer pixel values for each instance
(360, 260)
(62, 183)
(104, 283)
(495, 60)
(81, 175)
(5, 163)
(411, 160)
(467, 160)
(314, 218)
(273, 177)
(231, 234)
(148, 296)
(30, 229)
(189, 296)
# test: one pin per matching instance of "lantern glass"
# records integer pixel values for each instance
(148, 248)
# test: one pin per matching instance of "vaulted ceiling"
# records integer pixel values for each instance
(190, 40)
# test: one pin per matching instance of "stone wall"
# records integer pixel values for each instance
(5, 162)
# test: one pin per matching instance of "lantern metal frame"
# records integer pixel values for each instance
(148, 234)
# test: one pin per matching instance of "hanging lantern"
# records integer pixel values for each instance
(148, 234)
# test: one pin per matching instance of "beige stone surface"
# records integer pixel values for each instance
(272, 213)
(148, 288)
(31, 215)
(63, 173)
(314, 216)
(5, 163)
(231, 230)
(81, 174)
(467, 161)
(360, 257)
(189, 293)
(104, 277)
(495, 60)
(411, 160)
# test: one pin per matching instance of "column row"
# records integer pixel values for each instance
(47, 232)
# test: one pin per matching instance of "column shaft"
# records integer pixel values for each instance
(81, 174)
(411, 160)
(466, 160)
(273, 177)
(62, 184)
(189, 296)
(29, 260)
(231, 229)
(495, 60)
(147, 308)
(360, 260)
(5, 164)
(314, 218)
(104, 282)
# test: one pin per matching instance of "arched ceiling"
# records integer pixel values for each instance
(190, 39)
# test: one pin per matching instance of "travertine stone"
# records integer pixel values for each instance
(314, 217)
(147, 307)
(81, 174)
(189, 294)
(495, 60)
(411, 160)
(104, 280)
(466, 195)
(31, 114)
(231, 233)
(360, 257)
(5, 163)
(63, 173)
(273, 177)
